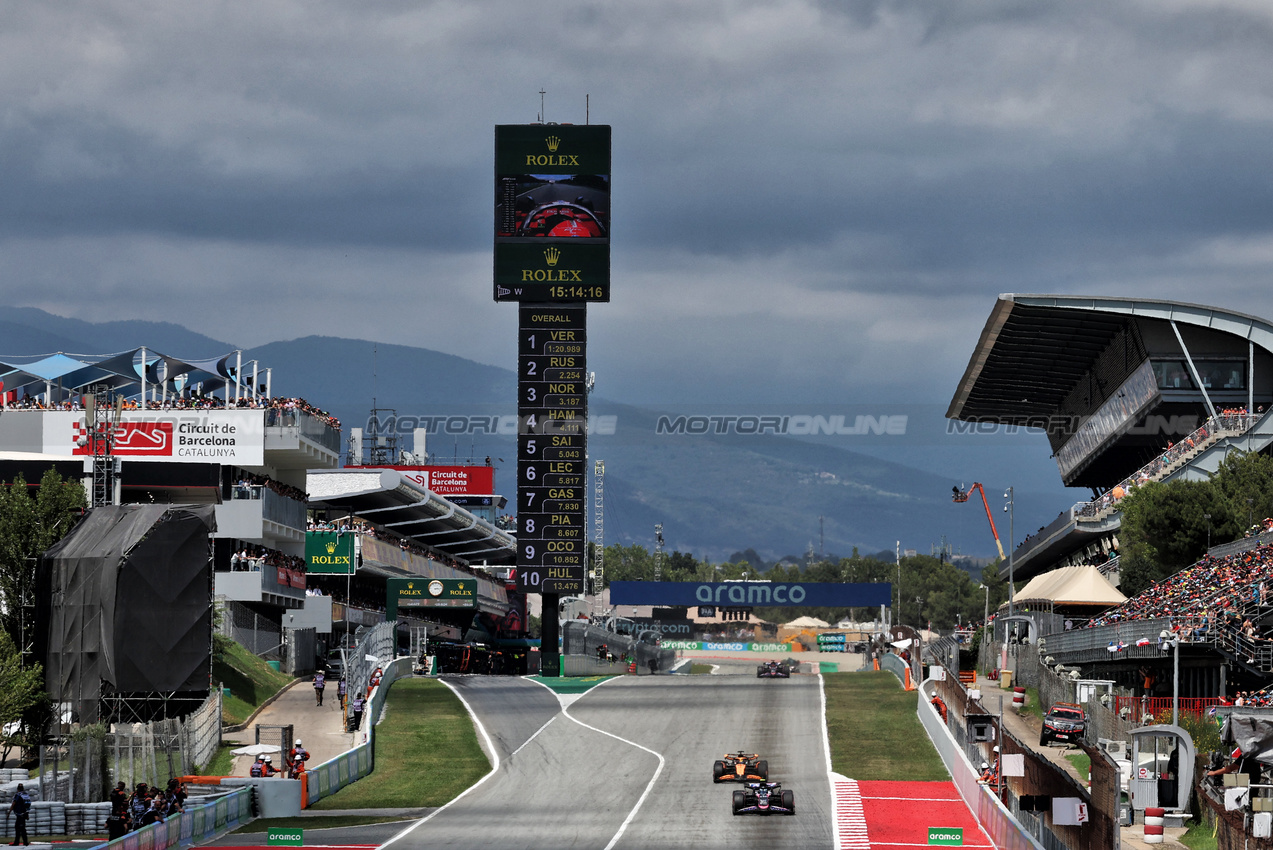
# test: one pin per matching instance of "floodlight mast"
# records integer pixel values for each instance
(962, 496)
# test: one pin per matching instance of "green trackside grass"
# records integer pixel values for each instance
(222, 763)
(251, 682)
(426, 752)
(875, 731)
(700, 669)
(1200, 837)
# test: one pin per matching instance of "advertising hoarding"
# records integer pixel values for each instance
(751, 593)
(329, 552)
(231, 437)
(449, 480)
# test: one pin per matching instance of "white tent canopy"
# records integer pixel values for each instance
(1072, 586)
(807, 623)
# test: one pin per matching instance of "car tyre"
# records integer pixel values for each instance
(740, 800)
(789, 801)
(718, 771)
(762, 769)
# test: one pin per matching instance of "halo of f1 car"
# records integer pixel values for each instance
(740, 767)
(758, 795)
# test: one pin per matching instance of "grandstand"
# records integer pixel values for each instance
(209, 432)
(1130, 391)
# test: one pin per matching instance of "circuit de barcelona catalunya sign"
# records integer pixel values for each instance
(749, 593)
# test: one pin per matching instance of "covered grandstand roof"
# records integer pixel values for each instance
(1092, 370)
(122, 371)
(1072, 586)
(393, 501)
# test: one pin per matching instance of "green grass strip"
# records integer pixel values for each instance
(251, 682)
(875, 731)
(426, 752)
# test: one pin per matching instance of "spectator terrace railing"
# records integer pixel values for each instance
(1212, 431)
(307, 424)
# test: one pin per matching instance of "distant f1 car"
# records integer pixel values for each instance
(773, 670)
(740, 767)
(764, 798)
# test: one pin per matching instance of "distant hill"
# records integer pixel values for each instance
(715, 495)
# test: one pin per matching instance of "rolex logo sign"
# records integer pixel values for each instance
(552, 157)
(329, 553)
(552, 274)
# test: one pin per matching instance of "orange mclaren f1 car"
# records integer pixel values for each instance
(740, 767)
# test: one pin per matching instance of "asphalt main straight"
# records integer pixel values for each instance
(628, 765)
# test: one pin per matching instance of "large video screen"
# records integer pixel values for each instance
(552, 212)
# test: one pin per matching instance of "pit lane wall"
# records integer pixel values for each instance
(196, 825)
(1004, 830)
(580, 642)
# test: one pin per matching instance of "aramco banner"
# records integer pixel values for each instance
(328, 552)
(751, 593)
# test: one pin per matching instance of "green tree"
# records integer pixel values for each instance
(28, 527)
(1164, 529)
(1244, 483)
(21, 689)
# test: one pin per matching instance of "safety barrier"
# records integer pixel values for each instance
(995, 818)
(197, 824)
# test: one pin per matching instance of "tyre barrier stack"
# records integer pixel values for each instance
(57, 818)
(1154, 825)
(1018, 699)
(87, 818)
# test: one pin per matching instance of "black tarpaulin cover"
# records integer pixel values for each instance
(130, 602)
(1253, 734)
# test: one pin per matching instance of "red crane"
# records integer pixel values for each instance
(962, 496)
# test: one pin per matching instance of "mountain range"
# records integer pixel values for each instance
(713, 493)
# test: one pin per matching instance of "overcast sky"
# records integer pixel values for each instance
(812, 201)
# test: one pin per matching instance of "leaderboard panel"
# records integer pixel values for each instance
(552, 411)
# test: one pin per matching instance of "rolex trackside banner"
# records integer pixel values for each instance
(750, 593)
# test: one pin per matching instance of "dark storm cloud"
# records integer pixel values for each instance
(851, 181)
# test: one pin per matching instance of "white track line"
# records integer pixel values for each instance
(649, 786)
(490, 747)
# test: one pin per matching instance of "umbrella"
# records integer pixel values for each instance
(256, 749)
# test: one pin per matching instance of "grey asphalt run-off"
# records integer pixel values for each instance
(564, 784)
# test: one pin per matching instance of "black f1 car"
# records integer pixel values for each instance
(740, 767)
(773, 670)
(764, 798)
